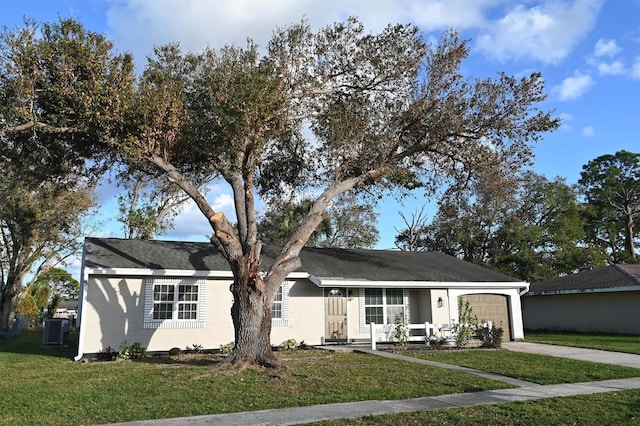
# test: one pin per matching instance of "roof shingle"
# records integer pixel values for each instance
(327, 263)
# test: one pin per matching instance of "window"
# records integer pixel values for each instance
(174, 302)
(276, 307)
(382, 305)
(280, 306)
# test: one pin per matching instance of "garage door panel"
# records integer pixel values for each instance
(490, 307)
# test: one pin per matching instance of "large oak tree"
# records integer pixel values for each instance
(335, 111)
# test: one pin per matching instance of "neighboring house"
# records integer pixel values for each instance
(600, 300)
(167, 294)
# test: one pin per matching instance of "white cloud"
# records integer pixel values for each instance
(442, 14)
(546, 32)
(138, 25)
(573, 87)
(613, 68)
(606, 48)
(588, 131)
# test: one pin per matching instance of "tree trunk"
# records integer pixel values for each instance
(8, 304)
(251, 314)
(628, 237)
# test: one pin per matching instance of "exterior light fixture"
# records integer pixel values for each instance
(440, 302)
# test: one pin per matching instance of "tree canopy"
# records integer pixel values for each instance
(527, 227)
(329, 112)
(60, 96)
(611, 184)
(346, 223)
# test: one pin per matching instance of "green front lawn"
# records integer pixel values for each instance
(601, 341)
(540, 369)
(45, 387)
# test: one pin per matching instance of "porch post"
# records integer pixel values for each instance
(372, 332)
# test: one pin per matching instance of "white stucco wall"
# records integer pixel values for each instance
(113, 312)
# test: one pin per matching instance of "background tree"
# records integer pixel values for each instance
(345, 224)
(353, 224)
(386, 110)
(281, 219)
(611, 184)
(413, 237)
(528, 227)
(147, 205)
(543, 237)
(60, 282)
(61, 94)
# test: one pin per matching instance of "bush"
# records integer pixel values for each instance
(490, 338)
(401, 330)
(228, 348)
(466, 326)
(107, 354)
(135, 351)
(175, 351)
(288, 345)
(195, 349)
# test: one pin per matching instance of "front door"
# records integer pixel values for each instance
(336, 315)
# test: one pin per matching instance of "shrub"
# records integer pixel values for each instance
(303, 346)
(135, 351)
(175, 351)
(106, 354)
(195, 349)
(466, 327)
(228, 348)
(401, 330)
(288, 345)
(490, 338)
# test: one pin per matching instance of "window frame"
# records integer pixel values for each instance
(182, 302)
(283, 320)
(384, 305)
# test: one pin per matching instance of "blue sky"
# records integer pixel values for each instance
(587, 50)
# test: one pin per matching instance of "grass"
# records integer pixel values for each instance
(601, 341)
(612, 408)
(44, 387)
(540, 369)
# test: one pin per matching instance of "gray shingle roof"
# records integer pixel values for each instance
(371, 265)
(609, 277)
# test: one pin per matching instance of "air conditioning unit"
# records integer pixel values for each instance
(56, 331)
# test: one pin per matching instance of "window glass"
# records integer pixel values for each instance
(171, 304)
(374, 314)
(373, 296)
(276, 307)
(395, 297)
(383, 305)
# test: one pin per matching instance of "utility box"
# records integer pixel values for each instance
(56, 331)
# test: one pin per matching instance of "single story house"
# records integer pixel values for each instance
(599, 300)
(166, 294)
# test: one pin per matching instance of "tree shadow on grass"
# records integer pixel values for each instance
(30, 343)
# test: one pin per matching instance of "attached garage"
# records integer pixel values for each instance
(490, 307)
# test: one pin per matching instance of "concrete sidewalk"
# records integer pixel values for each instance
(524, 392)
(592, 355)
